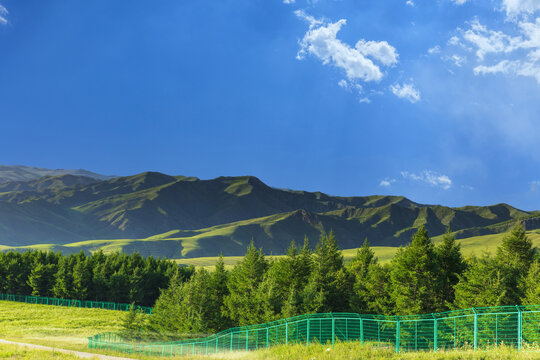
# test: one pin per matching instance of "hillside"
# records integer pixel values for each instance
(180, 216)
(25, 173)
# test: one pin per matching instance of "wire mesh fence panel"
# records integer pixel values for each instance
(40, 300)
(461, 329)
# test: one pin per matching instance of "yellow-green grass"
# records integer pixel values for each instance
(68, 328)
(23, 353)
(57, 326)
(354, 350)
(476, 245)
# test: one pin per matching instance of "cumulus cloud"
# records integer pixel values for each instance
(434, 50)
(410, 3)
(515, 8)
(429, 177)
(289, 1)
(3, 15)
(517, 55)
(459, 2)
(387, 182)
(406, 91)
(361, 63)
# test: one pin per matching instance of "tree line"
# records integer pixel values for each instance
(117, 277)
(421, 278)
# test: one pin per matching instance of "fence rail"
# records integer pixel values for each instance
(73, 303)
(473, 328)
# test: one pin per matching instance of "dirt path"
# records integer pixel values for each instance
(83, 355)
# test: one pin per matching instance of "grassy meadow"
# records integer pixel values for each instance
(16, 352)
(476, 245)
(69, 328)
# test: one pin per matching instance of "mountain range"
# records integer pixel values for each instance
(182, 217)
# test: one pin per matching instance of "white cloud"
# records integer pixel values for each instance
(515, 8)
(358, 63)
(434, 50)
(517, 55)
(387, 182)
(410, 3)
(458, 60)
(489, 41)
(3, 15)
(535, 186)
(406, 91)
(429, 177)
(288, 1)
(459, 2)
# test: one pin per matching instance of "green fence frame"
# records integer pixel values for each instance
(73, 303)
(462, 329)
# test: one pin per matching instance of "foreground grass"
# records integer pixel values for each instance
(56, 326)
(21, 353)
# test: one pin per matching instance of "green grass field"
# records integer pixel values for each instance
(469, 246)
(69, 328)
(21, 353)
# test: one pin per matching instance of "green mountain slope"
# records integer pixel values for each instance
(203, 217)
(26, 173)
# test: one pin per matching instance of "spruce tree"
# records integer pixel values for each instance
(330, 284)
(531, 285)
(219, 290)
(452, 265)
(482, 284)
(415, 276)
(41, 279)
(363, 259)
(240, 304)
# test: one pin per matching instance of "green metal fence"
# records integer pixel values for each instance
(73, 303)
(471, 328)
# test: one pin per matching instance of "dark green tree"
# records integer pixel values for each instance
(240, 305)
(415, 276)
(531, 285)
(482, 284)
(330, 284)
(41, 279)
(452, 265)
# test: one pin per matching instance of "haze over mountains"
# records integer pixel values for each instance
(178, 216)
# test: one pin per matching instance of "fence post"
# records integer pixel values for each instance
(397, 334)
(231, 340)
(267, 334)
(286, 332)
(307, 337)
(434, 332)
(247, 340)
(361, 331)
(475, 329)
(520, 328)
(333, 328)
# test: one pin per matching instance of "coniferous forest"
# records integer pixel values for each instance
(421, 278)
(116, 277)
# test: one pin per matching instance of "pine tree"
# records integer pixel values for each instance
(531, 285)
(63, 286)
(219, 290)
(415, 276)
(515, 255)
(82, 278)
(451, 266)
(363, 259)
(244, 279)
(41, 279)
(482, 284)
(330, 284)
(516, 249)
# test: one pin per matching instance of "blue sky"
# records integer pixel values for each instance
(437, 100)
